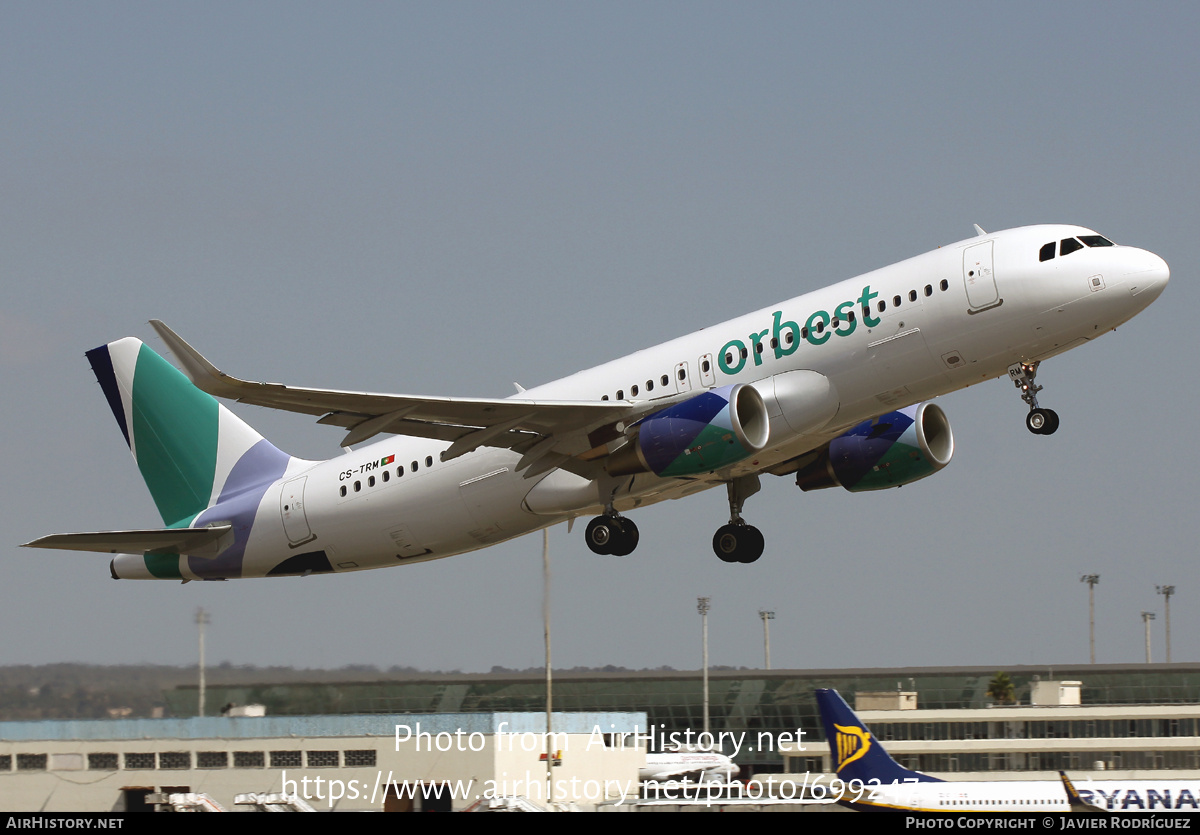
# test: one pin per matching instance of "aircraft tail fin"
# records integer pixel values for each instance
(857, 754)
(190, 449)
(1075, 800)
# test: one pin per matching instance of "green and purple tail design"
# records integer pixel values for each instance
(202, 464)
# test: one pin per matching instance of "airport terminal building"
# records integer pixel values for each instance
(1129, 717)
(1133, 721)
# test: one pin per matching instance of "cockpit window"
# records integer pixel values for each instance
(1068, 245)
(1095, 240)
(1046, 252)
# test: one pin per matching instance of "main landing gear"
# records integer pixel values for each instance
(611, 534)
(1039, 421)
(737, 541)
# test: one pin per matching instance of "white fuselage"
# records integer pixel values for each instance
(966, 312)
(1027, 796)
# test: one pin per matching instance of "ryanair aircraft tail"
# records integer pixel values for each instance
(857, 754)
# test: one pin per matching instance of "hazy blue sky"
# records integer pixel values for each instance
(442, 198)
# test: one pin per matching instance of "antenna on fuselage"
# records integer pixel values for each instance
(979, 230)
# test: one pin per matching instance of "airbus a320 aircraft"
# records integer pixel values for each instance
(827, 387)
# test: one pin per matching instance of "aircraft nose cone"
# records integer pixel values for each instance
(1147, 273)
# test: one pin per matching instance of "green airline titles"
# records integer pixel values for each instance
(736, 350)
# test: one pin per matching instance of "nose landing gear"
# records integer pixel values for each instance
(1039, 421)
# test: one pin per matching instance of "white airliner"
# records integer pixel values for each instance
(827, 387)
(880, 784)
(681, 764)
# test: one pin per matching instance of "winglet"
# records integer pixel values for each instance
(203, 374)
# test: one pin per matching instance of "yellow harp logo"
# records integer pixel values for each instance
(852, 744)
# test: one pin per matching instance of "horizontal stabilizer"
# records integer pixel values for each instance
(189, 541)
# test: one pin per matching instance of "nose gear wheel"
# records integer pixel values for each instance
(1039, 421)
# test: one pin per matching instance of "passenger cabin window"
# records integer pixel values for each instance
(1046, 252)
(666, 380)
(945, 285)
(912, 295)
(633, 390)
(620, 394)
(928, 290)
(1068, 245)
(428, 460)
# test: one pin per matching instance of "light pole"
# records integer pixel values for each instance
(202, 620)
(1146, 618)
(703, 604)
(766, 618)
(1166, 592)
(1091, 580)
(549, 690)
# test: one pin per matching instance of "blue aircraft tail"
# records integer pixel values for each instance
(857, 754)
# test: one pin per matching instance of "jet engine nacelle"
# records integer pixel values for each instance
(889, 451)
(703, 433)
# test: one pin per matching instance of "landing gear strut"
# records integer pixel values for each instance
(611, 534)
(737, 541)
(1039, 421)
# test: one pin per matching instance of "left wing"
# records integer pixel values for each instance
(549, 434)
